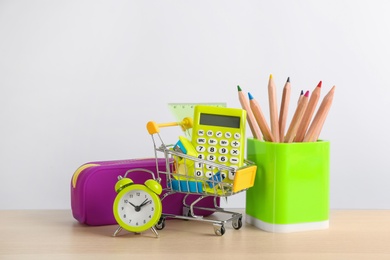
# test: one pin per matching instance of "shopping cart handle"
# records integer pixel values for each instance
(154, 128)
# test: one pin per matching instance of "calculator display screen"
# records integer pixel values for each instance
(219, 120)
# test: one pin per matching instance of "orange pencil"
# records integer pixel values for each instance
(273, 108)
(284, 108)
(250, 117)
(292, 130)
(307, 116)
(319, 119)
(260, 119)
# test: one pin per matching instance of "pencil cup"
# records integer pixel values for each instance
(291, 190)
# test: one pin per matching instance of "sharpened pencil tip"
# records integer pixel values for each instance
(288, 79)
(301, 92)
(307, 93)
(270, 76)
(250, 96)
(238, 88)
(319, 84)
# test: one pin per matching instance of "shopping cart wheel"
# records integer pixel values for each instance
(237, 223)
(160, 224)
(219, 229)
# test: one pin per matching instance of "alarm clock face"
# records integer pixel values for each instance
(137, 208)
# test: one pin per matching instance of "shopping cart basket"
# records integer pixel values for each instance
(180, 178)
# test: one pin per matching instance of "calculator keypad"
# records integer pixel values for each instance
(219, 147)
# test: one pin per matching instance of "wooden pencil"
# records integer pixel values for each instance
(292, 129)
(300, 96)
(284, 108)
(260, 119)
(309, 112)
(273, 109)
(249, 115)
(318, 121)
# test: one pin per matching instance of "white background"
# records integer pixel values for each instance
(80, 79)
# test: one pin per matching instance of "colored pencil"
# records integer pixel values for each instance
(284, 108)
(249, 115)
(292, 130)
(318, 121)
(260, 119)
(309, 112)
(273, 108)
(300, 96)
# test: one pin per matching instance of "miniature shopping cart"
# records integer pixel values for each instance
(180, 178)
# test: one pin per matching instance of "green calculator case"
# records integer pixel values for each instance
(218, 136)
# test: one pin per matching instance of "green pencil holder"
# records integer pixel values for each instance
(291, 189)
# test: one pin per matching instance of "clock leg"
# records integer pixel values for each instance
(154, 231)
(117, 231)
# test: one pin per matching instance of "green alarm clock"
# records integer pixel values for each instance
(137, 207)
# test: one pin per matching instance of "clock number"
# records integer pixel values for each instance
(131, 196)
(126, 201)
(124, 215)
(138, 194)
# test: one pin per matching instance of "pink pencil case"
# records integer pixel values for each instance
(93, 193)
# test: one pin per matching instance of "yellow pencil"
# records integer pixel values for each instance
(308, 115)
(292, 130)
(249, 115)
(273, 109)
(318, 121)
(284, 108)
(260, 119)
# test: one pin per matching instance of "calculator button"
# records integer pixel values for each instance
(212, 149)
(210, 133)
(228, 135)
(201, 140)
(235, 152)
(212, 141)
(208, 167)
(211, 157)
(198, 165)
(209, 174)
(223, 174)
(237, 136)
(224, 142)
(201, 156)
(218, 134)
(223, 150)
(200, 148)
(200, 132)
(199, 173)
(235, 143)
(233, 160)
(231, 174)
(223, 159)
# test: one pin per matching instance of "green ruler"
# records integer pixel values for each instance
(182, 110)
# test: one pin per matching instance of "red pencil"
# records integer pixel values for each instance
(319, 119)
(307, 116)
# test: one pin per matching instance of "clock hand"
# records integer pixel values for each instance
(132, 204)
(145, 202)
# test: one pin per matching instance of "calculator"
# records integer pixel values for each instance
(218, 136)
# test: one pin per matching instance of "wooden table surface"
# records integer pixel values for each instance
(54, 234)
